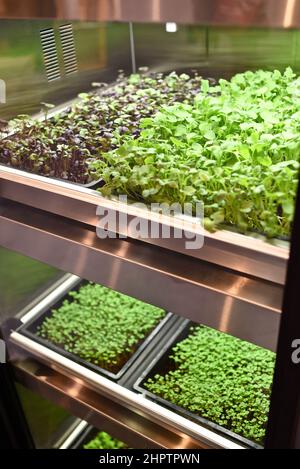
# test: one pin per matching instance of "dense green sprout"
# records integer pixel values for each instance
(104, 441)
(100, 325)
(221, 378)
(236, 148)
(65, 145)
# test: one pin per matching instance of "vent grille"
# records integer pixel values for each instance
(68, 48)
(50, 54)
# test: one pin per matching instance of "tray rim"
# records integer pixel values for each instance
(117, 391)
(88, 185)
(23, 330)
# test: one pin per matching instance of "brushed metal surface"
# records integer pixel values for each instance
(245, 307)
(101, 50)
(99, 411)
(279, 13)
(217, 52)
(75, 434)
(229, 301)
(162, 51)
(68, 282)
(242, 253)
(102, 402)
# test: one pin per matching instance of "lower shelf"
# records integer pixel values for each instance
(144, 424)
(113, 406)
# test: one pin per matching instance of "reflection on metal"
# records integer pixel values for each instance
(225, 319)
(67, 284)
(104, 403)
(101, 50)
(270, 13)
(68, 48)
(195, 289)
(242, 253)
(78, 430)
(132, 48)
(289, 13)
(2, 351)
(50, 54)
(171, 27)
(217, 52)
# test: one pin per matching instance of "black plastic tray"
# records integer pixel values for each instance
(29, 330)
(161, 365)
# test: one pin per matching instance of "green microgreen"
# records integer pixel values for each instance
(100, 325)
(236, 148)
(63, 146)
(221, 378)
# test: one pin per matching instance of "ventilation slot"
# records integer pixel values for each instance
(50, 54)
(68, 48)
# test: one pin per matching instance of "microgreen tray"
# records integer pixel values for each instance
(30, 328)
(93, 183)
(66, 142)
(162, 365)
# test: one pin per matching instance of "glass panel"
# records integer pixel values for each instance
(47, 422)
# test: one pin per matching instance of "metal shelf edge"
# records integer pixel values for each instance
(247, 254)
(122, 395)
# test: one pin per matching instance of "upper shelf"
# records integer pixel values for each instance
(261, 13)
(244, 254)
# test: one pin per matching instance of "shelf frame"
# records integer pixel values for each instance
(202, 292)
(108, 405)
(250, 255)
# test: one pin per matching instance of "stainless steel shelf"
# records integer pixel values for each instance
(105, 404)
(97, 399)
(113, 406)
(246, 254)
(140, 431)
(268, 13)
(203, 292)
